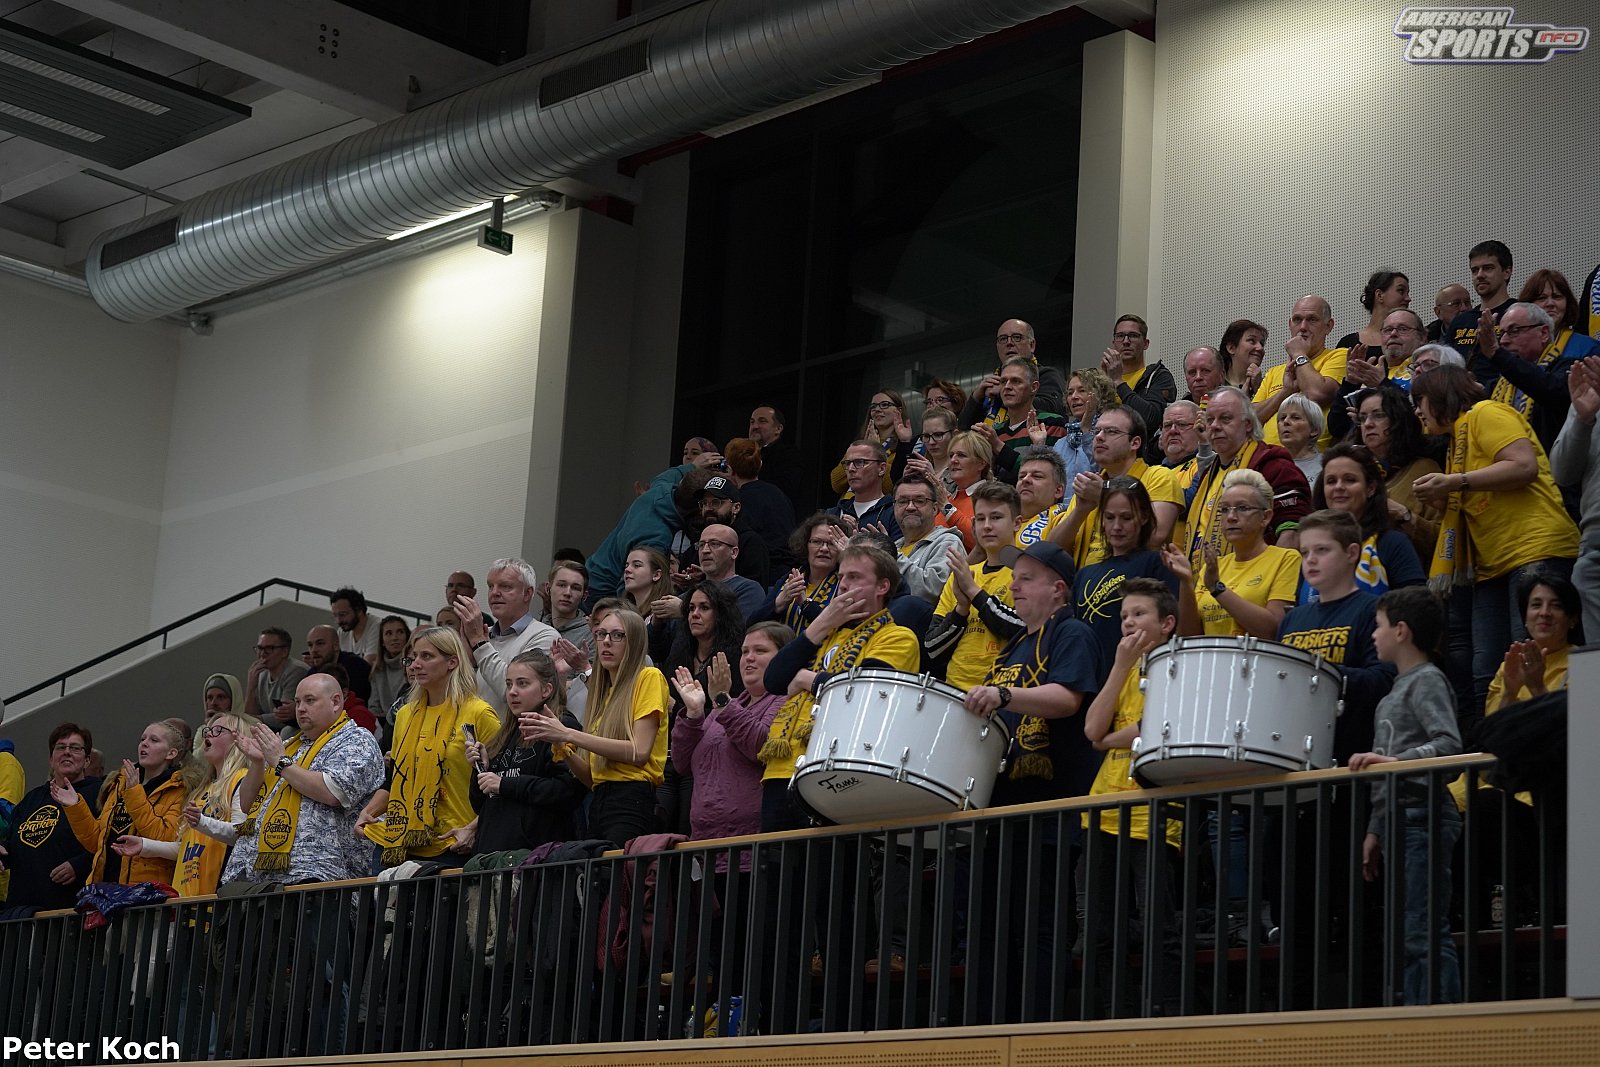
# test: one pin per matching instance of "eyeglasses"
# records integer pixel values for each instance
(214, 730)
(1514, 330)
(1399, 329)
(708, 543)
(1014, 338)
(913, 501)
(610, 637)
(852, 464)
(882, 405)
(935, 435)
(1110, 431)
(268, 648)
(1125, 336)
(1371, 416)
(67, 746)
(1165, 426)
(940, 400)
(1237, 509)
(821, 542)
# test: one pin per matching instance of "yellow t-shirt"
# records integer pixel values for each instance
(892, 644)
(455, 798)
(650, 697)
(1330, 363)
(975, 652)
(1517, 526)
(13, 784)
(1273, 575)
(1160, 482)
(1201, 523)
(1116, 770)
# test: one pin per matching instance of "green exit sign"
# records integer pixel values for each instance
(494, 240)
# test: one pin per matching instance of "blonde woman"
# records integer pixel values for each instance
(621, 752)
(143, 799)
(209, 823)
(425, 810)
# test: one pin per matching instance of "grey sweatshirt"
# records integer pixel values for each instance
(1416, 720)
(1575, 462)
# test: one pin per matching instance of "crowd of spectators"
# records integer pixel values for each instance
(1419, 503)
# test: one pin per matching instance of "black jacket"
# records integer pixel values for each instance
(538, 799)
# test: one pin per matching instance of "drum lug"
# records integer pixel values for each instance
(1238, 738)
(922, 698)
(1316, 679)
(905, 758)
(1310, 747)
(833, 749)
(849, 691)
(966, 798)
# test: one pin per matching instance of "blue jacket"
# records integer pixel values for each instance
(650, 520)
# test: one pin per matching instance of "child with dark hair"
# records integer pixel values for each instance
(1416, 720)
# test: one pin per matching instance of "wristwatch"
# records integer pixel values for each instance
(720, 700)
(284, 762)
(1216, 589)
(1005, 694)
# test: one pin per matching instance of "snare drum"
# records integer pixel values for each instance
(1224, 707)
(887, 745)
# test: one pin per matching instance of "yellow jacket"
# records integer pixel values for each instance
(154, 816)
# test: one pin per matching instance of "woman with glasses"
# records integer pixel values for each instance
(1300, 425)
(931, 454)
(1503, 517)
(142, 800)
(1352, 482)
(971, 461)
(424, 812)
(621, 752)
(713, 625)
(886, 426)
(1250, 588)
(1551, 291)
(944, 394)
(211, 817)
(803, 593)
(1387, 427)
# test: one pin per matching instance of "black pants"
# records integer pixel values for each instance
(622, 811)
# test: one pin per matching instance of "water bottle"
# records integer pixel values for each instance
(1497, 905)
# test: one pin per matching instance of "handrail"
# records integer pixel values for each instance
(259, 590)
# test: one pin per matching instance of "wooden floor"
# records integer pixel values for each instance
(1545, 1033)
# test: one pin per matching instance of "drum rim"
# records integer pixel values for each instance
(1216, 642)
(928, 785)
(917, 680)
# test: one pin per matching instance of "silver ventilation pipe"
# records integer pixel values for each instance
(682, 73)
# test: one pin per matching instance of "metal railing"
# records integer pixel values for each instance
(258, 591)
(996, 916)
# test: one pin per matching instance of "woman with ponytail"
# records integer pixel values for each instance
(142, 800)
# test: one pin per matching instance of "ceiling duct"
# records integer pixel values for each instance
(681, 73)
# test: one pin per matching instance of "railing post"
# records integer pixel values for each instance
(1583, 813)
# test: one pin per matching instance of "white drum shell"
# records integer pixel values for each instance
(1226, 707)
(888, 745)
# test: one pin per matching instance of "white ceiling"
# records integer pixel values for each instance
(307, 87)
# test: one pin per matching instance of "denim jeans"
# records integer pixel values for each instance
(1419, 847)
(1496, 622)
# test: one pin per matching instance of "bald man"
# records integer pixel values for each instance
(1310, 367)
(719, 554)
(1452, 300)
(322, 649)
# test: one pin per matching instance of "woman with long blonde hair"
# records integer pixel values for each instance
(209, 821)
(425, 809)
(142, 800)
(621, 752)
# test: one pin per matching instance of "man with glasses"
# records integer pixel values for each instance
(1145, 389)
(1235, 435)
(1403, 334)
(1014, 340)
(1118, 441)
(1452, 300)
(865, 503)
(47, 864)
(719, 501)
(924, 546)
(1523, 367)
(1024, 424)
(1180, 434)
(272, 678)
(719, 552)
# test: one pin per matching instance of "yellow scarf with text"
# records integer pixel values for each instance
(280, 819)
